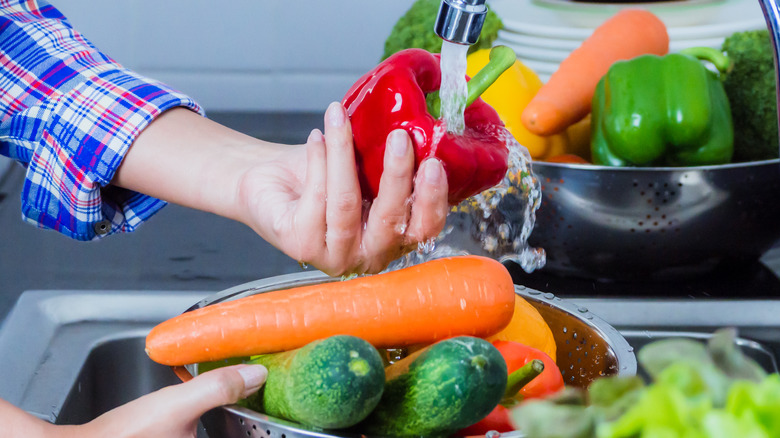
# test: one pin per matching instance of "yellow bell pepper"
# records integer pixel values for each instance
(510, 94)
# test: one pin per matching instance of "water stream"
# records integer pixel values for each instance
(453, 90)
(497, 222)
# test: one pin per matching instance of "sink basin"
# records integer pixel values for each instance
(86, 353)
(113, 374)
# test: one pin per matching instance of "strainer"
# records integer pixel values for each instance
(655, 223)
(587, 348)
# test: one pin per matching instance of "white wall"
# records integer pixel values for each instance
(244, 55)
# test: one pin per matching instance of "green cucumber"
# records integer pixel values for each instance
(439, 390)
(331, 383)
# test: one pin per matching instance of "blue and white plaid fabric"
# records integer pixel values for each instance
(70, 113)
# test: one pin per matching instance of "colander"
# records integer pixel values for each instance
(587, 348)
(655, 223)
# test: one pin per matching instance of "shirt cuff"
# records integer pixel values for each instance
(86, 136)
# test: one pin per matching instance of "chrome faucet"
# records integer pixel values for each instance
(460, 21)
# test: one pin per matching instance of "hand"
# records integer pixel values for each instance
(307, 201)
(303, 199)
(173, 412)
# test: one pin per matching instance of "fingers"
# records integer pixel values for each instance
(218, 387)
(310, 213)
(389, 215)
(174, 410)
(344, 202)
(430, 207)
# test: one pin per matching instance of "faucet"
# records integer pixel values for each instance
(460, 21)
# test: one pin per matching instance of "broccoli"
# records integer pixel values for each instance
(750, 86)
(415, 29)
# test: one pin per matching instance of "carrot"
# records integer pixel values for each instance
(566, 97)
(466, 295)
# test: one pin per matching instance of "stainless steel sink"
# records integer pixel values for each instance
(69, 356)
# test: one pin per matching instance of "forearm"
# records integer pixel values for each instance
(18, 423)
(189, 160)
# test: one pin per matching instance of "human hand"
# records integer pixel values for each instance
(307, 201)
(173, 412)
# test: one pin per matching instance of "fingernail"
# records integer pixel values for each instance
(316, 136)
(398, 143)
(254, 376)
(336, 115)
(433, 171)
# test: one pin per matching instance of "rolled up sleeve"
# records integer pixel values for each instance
(70, 114)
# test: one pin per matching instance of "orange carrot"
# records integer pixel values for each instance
(466, 295)
(566, 97)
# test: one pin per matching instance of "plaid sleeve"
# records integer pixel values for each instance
(70, 113)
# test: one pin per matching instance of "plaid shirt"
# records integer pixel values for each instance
(69, 113)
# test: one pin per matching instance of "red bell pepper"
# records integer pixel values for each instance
(393, 95)
(516, 355)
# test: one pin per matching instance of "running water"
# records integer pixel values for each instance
(453, 90)
(497, 222)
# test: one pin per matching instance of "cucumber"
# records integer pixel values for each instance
(439, 390)
(331, 383)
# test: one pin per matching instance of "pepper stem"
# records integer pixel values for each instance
(522, 376)
(715, 56)
(501, 58)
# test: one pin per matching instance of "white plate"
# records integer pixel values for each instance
(530, 52)
(545, 62)
(673, 13)
(540, 67)
(527, 18)
(559, 47)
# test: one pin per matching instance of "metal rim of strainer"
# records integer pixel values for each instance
(236, 421)
(651, 169)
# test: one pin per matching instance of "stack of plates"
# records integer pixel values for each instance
(544, 32)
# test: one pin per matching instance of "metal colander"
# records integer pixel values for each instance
(587, 348)
(655, 223)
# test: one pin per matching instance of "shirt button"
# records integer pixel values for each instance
(102, 228)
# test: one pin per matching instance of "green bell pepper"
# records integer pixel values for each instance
(663, 111)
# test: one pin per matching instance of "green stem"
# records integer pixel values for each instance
(715, 56)
(501, 58)
(519, 378)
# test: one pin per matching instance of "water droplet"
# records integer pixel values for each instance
(582, 309)
(548, 296)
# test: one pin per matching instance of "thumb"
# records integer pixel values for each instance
(184, 403)
(220, 387)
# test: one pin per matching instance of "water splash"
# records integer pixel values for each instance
(497, 222)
